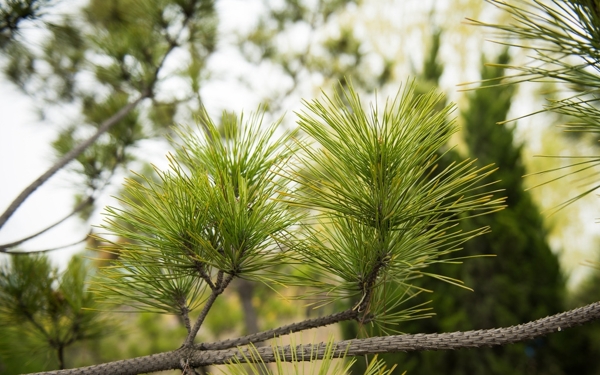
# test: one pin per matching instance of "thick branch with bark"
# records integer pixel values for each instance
(195, 357)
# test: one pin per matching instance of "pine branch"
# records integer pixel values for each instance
(185, 314)
(388, 344)
(283, 330)
(68, 157)
(13, 252)
(220, 288)
(83, 204)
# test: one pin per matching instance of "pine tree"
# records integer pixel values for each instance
(44, 312)
(14, 12)
(225, 209)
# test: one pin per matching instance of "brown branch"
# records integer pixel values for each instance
(421, 342)
(367, 287)
(185, 313)
(198, 265)
(202, 272)
(102, 128)
(13, 252)
(140, 365)
(388, 344)
(220, 287)
(83, 204)
(68, 157)
(284, 330)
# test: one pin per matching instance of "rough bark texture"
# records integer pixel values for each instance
(194, 357)
(284, 330)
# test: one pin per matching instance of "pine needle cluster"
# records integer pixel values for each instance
(45, 309)
(386, 212)
(562, 38)
(358, 204)
(211, 215)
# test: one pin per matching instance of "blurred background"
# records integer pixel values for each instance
(72, 64)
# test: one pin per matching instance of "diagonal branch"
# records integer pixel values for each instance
(417, 342)
(388, 344)
(16, 252)
(5, 247)
(103, 128)
(444, 341)
(68, 157)
(284, 330)
(220, 288)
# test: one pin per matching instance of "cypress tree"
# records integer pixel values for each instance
(523, 282)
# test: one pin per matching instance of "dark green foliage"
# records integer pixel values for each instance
(14, 12)
(47, 310)
(432, 67)
(522, 283)
(20, 66)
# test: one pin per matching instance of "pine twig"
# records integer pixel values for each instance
(220, 287)
(185, 314)
(13, 252)
(83, 204)
(102, 128)
(68, 157)
(284, 330)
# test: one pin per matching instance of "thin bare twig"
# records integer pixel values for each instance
(13, 252)
(68, 157)
(4, 248)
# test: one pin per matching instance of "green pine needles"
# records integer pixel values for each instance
(561, 37)
(363, 208)
(211, 217)
(317, 365)
(45, 310)
(387, 213)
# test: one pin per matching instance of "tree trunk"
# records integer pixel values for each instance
(245, 290)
